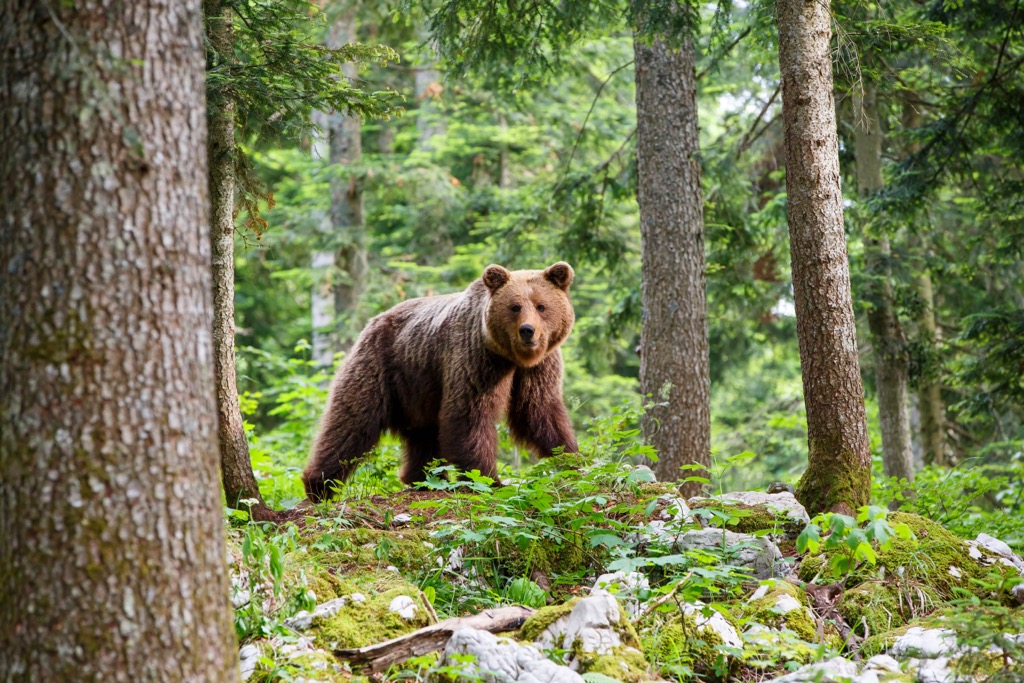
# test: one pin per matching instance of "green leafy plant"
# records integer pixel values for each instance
(851, 545)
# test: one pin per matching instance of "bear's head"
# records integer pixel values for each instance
(529, 313)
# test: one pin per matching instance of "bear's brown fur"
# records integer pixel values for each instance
(440, 371)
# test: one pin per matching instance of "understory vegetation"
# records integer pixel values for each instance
(458, 546)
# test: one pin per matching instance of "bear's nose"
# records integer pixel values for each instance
(526, 332)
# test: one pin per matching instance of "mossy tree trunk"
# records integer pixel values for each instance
(111, 528)
(674, 356)
(236, 465)
(838, 475)
(889, 347)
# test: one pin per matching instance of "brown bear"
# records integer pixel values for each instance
(439, 372)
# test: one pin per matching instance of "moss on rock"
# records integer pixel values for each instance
(624, 663)
(544, 617)
(880, 606)
(364, 623)
(743, 519)
(935, 559)
(541, 555)
(774, 610)
(679, 641)
(405, 549)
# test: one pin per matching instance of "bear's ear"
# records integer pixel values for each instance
(560, 275)
(495, 276)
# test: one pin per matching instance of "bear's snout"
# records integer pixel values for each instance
(526, 333)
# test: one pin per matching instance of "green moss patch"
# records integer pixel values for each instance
(937, 560)
(544, 617)
(678, 641)
(359, 624)
(766, 610)
(880, 606)
(745, 519)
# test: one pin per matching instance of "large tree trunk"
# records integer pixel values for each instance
(838, 475)
(236, 466)
(891, 356)
(111, 527)
(674, 368)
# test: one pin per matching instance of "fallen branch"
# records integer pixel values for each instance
(433, 638)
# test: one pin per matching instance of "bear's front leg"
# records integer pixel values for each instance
(467, 435)
(536, 413)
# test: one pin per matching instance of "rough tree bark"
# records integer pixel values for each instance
(889, 345)
(838, 475)
(236, 465)
(111, 530)
(929, 390)
(674, 356)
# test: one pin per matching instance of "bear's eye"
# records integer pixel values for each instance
(517, 308)
(540, 307)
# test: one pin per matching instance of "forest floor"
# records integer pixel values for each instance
(617, 578)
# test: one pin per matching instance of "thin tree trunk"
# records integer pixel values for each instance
(347, 199)
(111, 527)
(933, 409)
(674, 365)
(236, 465)
(891, 356)
(428, 88)
(838, 475)
(929, 392)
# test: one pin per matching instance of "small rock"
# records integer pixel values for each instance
(391, 568)
(758, 553)
(303, 620)
(715, 623)
(625, 587)
(248, 657)
(590, 626)
(997, 547)
(784, 503)
(403, 606)
(883, 663)
(786, 604)
(401, 519)
(357, 598)
(677, 511)
(499, 660)
(925, 642)
(830, 671)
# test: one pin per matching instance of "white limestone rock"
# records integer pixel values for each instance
(401, 519)
(835, 670)
(925, 643)
(676, 510)
(758, 553)
(784, 505)
(248, 657)
(625, 587)
(591, 625)
(714, 623)
(304, 620)
(403, 606)
(499, 660)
